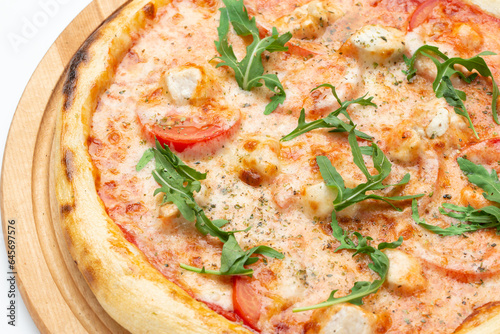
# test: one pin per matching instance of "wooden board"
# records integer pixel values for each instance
(52, 288)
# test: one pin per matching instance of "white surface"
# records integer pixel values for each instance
(27, 30)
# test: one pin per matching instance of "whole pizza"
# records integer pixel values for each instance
(324, 166)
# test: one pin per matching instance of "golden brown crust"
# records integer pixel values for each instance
(485, 319)
(130, 289)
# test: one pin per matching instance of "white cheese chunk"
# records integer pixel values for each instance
(345, 319)
(263, 157)
(404, 143)
(318, 199)
(182, 84)
(310, 21)
(376, 43)
(405, 272)
(439, 124)
(169, 211)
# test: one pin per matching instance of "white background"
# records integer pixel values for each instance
(27, 30)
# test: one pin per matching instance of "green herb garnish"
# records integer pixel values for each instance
(250, 71)
(178, 182)
(475, 219)
(380, 265)
(445, 69)
(349, 196)
(332, 120)
(234, 259)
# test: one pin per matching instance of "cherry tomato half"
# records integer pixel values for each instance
(246, 301)
(421, 13)
(180, 133)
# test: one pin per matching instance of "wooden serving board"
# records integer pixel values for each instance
(52, 288)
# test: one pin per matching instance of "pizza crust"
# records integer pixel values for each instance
(490, 6)
(128, 287)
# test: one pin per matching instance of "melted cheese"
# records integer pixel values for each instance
(170, 71)
(405, 272)
(376, 43)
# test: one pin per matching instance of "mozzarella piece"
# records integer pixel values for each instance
(405, 272)
(344, 319)
(318, 199)
(413, 41)
(202, 197)
(263, 157)
(169, 211)
(182, 84)
(310, 21)
(375, 43)
(404, 143)
(439, 124)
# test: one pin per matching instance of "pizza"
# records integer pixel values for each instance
(299, 166)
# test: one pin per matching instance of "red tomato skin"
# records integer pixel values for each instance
(187, 135)
(246, 302)
(421, 13)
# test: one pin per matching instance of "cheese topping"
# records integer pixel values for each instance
(168, 84)
(182, 84)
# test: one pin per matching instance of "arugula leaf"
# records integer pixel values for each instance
(349, 196)
(250, 71)
(146, 158)
(442, 84)
(234, 259)
(481, 218)
(479, 176)
(178, 182)
(477, 219)
(332, 120)
(380, 265)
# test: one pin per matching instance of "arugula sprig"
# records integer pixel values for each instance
(380, 265)
(332, 120)
(349, 196)
(234, 259)
(249, 71)
(442, 85)
(178, 182)
(475, 219)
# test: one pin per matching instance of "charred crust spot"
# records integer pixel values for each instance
(82, 56)
(149, 10)
(251, 177)
(66, 209)
(72, 76)
(69, 163)
(115, 14)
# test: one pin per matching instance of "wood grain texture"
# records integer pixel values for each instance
(52, 288)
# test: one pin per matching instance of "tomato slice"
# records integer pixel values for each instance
(180, 133)
(421, 13)
(246, 301)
